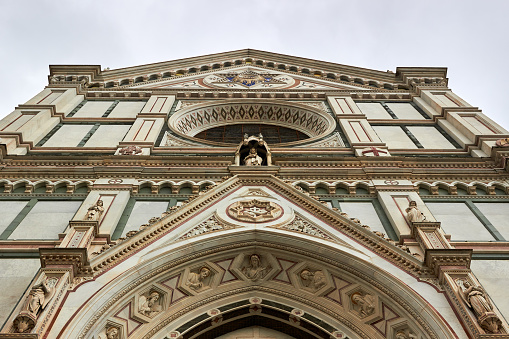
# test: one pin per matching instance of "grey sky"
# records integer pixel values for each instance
(468, 37)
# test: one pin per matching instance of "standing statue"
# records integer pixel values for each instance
(413, 213)
(37, 300)
(476, 299)
(95, 211)
(150, 306)
(195, 280)
(253, 159)
(255, 270)
(39, 297)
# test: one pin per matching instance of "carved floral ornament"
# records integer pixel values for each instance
(254, 210)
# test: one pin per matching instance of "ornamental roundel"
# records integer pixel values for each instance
(248, 79)
(254, 210)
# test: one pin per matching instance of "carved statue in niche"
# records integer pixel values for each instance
(253, 151)
(150, 306)
(363, 304)
(95, 211)
(314, 280)
(253, 159)
(37, 300)
(476, 299)
(255, 270)
(413, 213)
(196, 281)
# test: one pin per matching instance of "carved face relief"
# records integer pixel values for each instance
(363, 304)
(112, 333)
(198, 281)
(255, 270)
(313, 280)
(255, 210)
(150, 304)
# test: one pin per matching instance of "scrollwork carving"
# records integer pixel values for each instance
(300, 225)
(95, 211)
(130, 150)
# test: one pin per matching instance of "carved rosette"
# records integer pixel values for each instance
(255, 210)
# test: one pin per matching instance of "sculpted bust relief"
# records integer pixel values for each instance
(255, 270)
(314, 280)
(365, 304)
(150, 306)
(195, 281)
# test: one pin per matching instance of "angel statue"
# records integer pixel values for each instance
(39, 297)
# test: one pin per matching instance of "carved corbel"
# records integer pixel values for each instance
(29, 189)
(441, 261)
(50, 188)
(73, 260)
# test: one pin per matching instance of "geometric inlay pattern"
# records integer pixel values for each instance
(247, 79)
(335, 294)
(285, 266)
(175, 294)
(125, 314)
(228, 275)
(191, 123)
(381, 325)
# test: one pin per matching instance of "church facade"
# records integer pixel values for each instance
(251, 194)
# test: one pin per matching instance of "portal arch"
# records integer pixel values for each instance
(330, 284)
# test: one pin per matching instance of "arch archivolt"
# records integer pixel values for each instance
(187, 288)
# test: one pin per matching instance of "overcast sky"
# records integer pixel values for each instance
(468, 37)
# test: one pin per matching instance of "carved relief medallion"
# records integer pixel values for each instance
(248, 79)
(255, 210)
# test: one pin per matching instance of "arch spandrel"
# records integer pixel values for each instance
(334, 277)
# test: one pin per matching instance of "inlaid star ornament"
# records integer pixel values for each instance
(249, 79)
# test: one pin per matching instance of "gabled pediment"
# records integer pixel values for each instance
(245, 205)
(309, 74)
(248, 78)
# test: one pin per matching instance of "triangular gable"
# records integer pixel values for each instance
(248, 77)
(257, 202)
